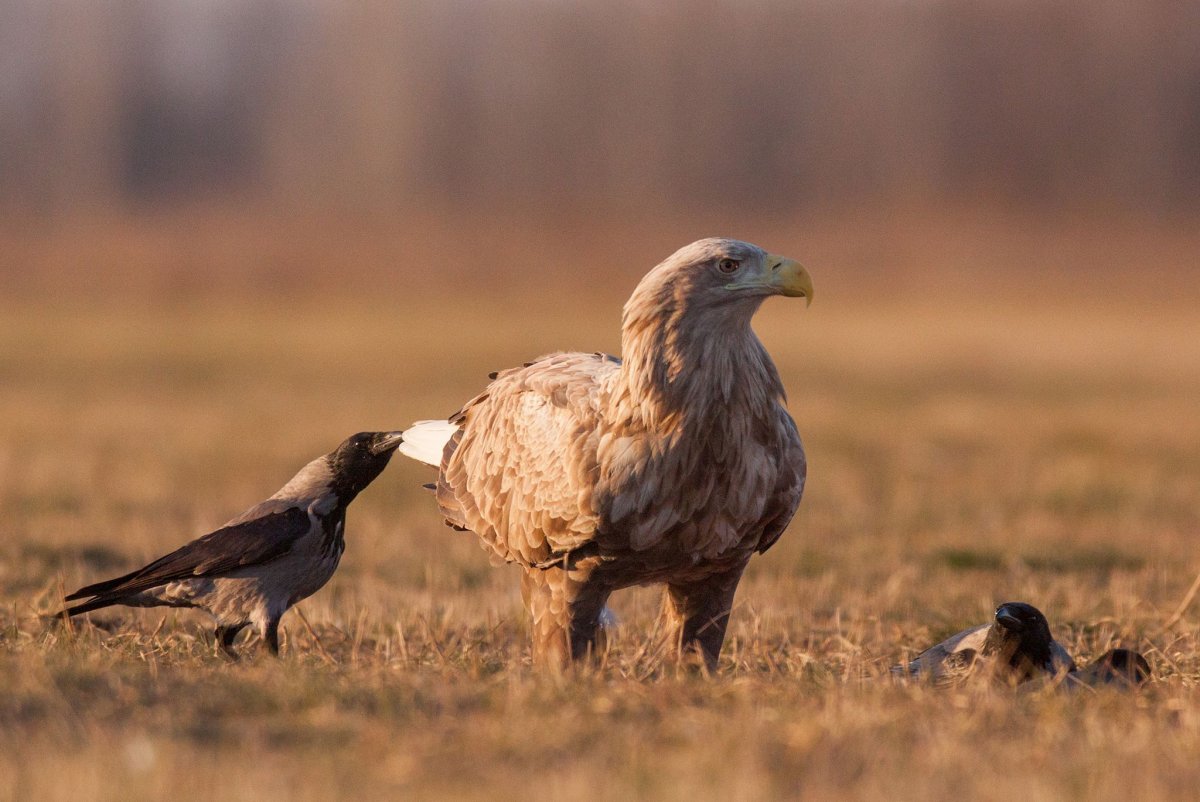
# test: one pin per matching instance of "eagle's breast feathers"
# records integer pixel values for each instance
(547, 461)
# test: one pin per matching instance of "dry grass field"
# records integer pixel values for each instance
(1006, 439)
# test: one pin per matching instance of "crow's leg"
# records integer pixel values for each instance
(225, 636)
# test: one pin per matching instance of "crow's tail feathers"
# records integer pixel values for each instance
(79, 609)
(105, 587)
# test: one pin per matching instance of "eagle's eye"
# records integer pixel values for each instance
(728, 265)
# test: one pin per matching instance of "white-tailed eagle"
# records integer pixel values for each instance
(674, 463)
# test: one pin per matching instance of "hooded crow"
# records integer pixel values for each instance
(251, 570)
(1117, 668)
(1017, 646)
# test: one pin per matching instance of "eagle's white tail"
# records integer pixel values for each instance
(425, 440)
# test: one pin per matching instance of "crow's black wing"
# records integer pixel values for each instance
(251, 542)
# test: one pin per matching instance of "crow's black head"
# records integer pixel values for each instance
(358, 460)
(1024, 619)
(1021, 637)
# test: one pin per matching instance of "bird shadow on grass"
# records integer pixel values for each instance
(1094, 560)
(54, 558)
(31, 562)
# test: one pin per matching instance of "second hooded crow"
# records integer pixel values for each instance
(251, 570)
(1016, 646)
(1117, 668)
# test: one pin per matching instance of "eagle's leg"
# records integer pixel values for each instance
(225, 636)
(696, 613)
(564, 609)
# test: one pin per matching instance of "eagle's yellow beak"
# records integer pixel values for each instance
(789, 277)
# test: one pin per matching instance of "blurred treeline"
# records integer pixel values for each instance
(280, 148)
(594, 105)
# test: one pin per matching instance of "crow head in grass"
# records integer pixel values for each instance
(1015, 647)
(1020, 646)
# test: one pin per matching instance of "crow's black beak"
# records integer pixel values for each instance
(1006, 619)
(386, 441)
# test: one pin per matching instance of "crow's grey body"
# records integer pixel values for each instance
(253, 569)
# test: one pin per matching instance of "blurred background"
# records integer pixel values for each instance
(180, 148)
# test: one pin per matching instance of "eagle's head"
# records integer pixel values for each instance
(718, 278)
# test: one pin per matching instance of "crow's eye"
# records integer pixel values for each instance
(728, 265)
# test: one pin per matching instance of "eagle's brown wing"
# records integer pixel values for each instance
(521, 470)
(789, 487)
